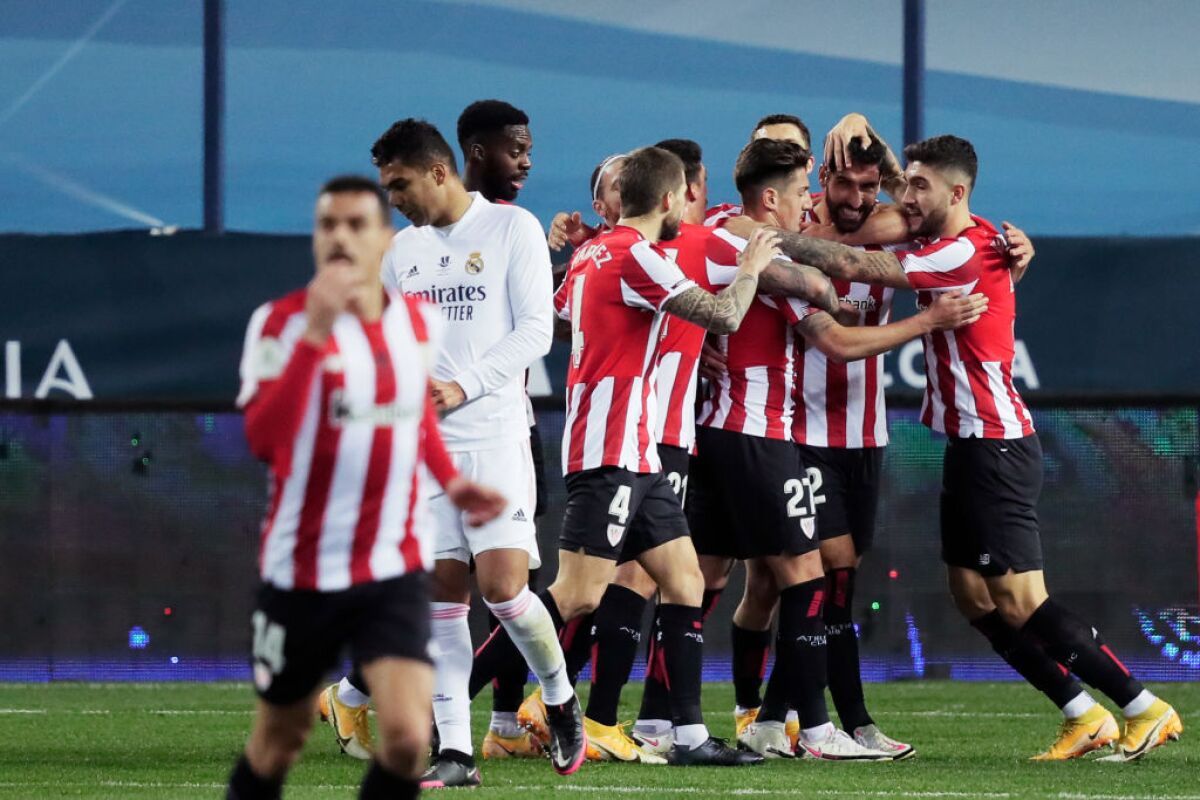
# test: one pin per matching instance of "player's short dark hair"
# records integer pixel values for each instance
(648, 174)
(689, 153)
(945, 151)
(414, 143)
(764, 162)
(485, 117)
(785, 119)
(357, 184)
(870, 156)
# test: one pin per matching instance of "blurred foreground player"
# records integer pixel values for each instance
(993, 460)
(335, 388)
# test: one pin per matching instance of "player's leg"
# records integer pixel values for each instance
(392, 643)
(296, 638)
(402, 716)
(450, 636)
(659, 540)
(751, 642)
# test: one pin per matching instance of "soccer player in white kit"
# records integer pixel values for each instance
(486, 266)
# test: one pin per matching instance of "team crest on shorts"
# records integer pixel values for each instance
(615, 532)
(475, 263)
(809, 526)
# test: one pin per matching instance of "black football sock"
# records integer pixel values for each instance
(1029, 659)
(774, 706)
(508, 689)
(682, 644)
(383, 784)
(618, 632)
(802, 627)
(656, 702)
(749, 664)
(246, 784)
(709, 603)
(844, 670)
(1078, 647)
(576, 638)
(498, 655)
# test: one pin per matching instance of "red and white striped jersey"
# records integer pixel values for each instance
(754, 396)
(715, 217)
(679, 346)
(345, 430)
(616, 286)
(969, 389)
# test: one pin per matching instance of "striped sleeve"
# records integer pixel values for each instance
(943, 264)
(650, 279)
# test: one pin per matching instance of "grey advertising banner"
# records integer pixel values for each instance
(129, 316)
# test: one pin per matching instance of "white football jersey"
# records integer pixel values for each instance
(489, 273)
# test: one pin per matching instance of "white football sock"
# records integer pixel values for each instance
(531, 629)
(1079, 705)
(450, 648)
(690, 736)
(350, 694)
(653, 727)
(1139, 704)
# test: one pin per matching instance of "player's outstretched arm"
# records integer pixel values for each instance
(723, 312)
(840, 343)
(799, 280)
(834, 259)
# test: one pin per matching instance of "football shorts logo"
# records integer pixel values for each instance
(520, 516)
(809, 526)
(615, 532)
(475, 263)
(985, 559)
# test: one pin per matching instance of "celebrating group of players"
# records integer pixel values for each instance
(724, 403)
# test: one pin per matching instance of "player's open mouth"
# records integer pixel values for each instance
(518, 183)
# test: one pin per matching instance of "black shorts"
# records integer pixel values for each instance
(617, 514)
(675, 463)
(299, 635)
(539, 470)
(748, 497)
(845, 486)
(990, 489)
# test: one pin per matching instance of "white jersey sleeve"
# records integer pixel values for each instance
(530, 297)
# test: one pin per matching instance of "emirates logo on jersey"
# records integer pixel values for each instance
(475, 263)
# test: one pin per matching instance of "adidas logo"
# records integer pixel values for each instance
(519, 516)
(412, 272)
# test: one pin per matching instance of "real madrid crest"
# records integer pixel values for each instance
(475, 263)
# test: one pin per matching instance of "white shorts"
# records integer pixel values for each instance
(508, 469)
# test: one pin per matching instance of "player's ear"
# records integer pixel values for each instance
(598, 208)
(476, 152)
(439, 172)
(822, 175)
(770, 198)
(958, 193)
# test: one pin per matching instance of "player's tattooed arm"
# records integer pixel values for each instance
(721, 312)
(799, 280)
(839, 261)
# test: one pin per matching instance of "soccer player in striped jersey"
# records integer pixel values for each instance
(335, 389)
(993, 462)
(488, 268)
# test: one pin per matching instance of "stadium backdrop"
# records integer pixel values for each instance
(129, 504)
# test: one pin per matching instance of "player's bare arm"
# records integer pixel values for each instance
(834, 259)
(723, 312)
(855, 126)
(841, 343)
(568, 229)
(799, 280)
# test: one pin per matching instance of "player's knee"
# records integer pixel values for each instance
(275, 751)
(685, 586)
(502, 588)
(576, 599)
(402, 746)
(971, 604)
(1015, 609)
(633, 577)
(759, 598)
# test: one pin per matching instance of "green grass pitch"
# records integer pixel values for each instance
(180, 740)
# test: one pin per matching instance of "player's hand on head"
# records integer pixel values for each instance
(1020, 250)
(837, 142)
(955, 309)
(481, 503)
(761, 249)
(332, 291)
(447, 395)
(713, 364)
